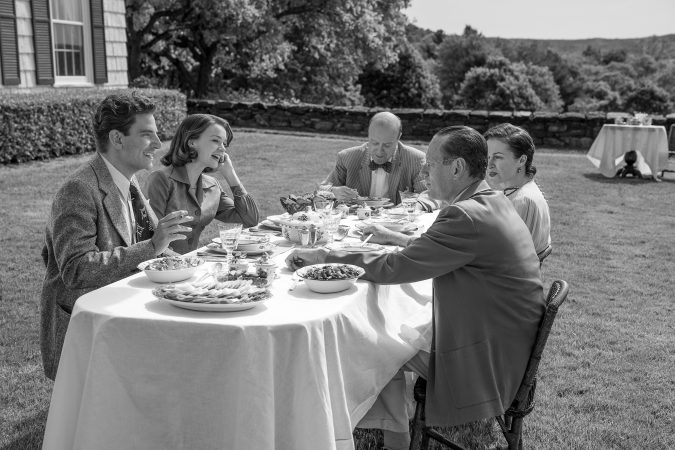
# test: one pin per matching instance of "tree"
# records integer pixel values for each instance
(404, 83)
(456, 55)
(648, 98)
(619, 55)
(596, 96)
(502, 85)
(309, 49)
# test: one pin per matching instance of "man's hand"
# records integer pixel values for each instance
(382, 235)
(301, 258)
(344, 193)
(169, 229)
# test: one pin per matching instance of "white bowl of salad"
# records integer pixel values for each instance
(170, 269)
(329, 278)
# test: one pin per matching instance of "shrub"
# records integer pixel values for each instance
(48, 124)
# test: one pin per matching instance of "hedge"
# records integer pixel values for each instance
(52, 123)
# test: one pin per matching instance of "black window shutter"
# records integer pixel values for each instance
(42, 39)
(9, 46)
(98, 42)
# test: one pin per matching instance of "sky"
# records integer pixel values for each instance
(547, 19)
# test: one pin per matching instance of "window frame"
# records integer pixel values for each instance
(77, 80)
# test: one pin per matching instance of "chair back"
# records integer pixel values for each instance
(556, 296)
(544, 253)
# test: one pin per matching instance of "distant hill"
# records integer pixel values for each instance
(660, 47)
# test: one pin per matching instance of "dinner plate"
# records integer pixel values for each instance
(277, 219)
(271, 225)
(355, 247)
(215, 247)
(405, 228)
(224, 307)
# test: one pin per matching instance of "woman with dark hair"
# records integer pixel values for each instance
(510, 169)
(198, 147)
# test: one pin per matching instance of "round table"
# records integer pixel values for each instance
(297, 372)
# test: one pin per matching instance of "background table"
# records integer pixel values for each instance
(297, 372)
(614, 141)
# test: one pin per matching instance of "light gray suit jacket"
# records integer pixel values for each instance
(352, 170)
(87, 246)
(488, 301)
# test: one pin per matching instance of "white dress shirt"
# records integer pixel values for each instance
(379, 183)
(532, 207)
(122, 184)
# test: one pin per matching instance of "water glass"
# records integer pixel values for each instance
(409, 203)
(331, 223)
(322, 205)
(229, 236)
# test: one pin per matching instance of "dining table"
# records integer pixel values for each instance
(613, 141)
(297, 371)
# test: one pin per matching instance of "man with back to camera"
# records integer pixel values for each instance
(488, 297)
(101, 226)
(382, 167)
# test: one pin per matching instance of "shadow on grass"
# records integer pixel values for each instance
(31, 432)
(600, 178)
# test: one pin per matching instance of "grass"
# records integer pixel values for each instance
(606, 380)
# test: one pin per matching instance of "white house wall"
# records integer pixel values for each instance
(116, 45)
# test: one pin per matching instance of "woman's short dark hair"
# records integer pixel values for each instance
(519, 141)
(118, 112)
(468, 144)
(192, 127)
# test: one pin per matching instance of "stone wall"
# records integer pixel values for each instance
(567, 130)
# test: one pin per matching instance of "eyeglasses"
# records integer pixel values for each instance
(445, 161)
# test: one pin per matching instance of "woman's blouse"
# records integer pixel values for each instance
(169, 190)
(533, 209)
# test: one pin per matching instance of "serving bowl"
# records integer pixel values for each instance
(329, 286)
(292, 230)
(170, 275)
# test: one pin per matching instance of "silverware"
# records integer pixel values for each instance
(365, 241)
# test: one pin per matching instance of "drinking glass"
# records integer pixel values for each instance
(229, 237)
(322, 205)
(409, 203)
(331, 222)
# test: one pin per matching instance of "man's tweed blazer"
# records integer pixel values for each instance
(352, 170)
(87, 246)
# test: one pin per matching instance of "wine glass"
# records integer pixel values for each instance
(229, 237)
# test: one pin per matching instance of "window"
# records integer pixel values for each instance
(71, 38)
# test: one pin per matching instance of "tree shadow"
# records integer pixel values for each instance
(33, 430)
(600, 178)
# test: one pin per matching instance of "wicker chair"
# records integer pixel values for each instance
(544, 253)
(511, 422)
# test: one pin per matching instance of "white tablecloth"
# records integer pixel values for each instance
(297, 372)
(651, 143)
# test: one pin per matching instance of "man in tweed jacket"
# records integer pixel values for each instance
(91, 233)
(381, 167)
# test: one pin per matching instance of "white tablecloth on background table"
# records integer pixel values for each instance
(297, 372)
(613, 141)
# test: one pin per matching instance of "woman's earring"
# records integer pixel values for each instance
(518, 171)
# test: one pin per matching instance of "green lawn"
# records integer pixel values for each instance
(607, 379)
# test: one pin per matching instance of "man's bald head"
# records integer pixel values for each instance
(384, 132)
(388, 120)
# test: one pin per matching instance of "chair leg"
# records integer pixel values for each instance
(417, 426)
(515, 438)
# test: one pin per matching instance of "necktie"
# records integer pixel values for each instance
(144, 229)
(386, 166)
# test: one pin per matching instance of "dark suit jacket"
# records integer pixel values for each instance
(87, 246)
(352, 170)
(488, 302)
